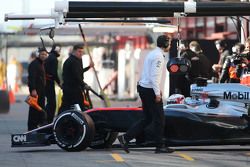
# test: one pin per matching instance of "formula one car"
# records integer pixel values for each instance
(217, 114)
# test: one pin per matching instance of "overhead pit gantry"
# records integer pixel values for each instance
(77, 11)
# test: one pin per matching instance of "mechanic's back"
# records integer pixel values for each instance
(200, 64)
(73, 74)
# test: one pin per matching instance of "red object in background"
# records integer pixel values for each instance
(245, 80)
(12, 97)
(4, 86)
(174, 68)
(16, 88)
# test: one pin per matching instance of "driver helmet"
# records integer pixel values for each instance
(176, 99)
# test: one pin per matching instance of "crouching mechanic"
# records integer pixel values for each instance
(36, 83)
(73, 84)
(151, 97)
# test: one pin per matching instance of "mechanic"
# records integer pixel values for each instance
(200, 65)
(181, 81)
(245, 79)
(221, 46)
(36, 83)
(51, 65)
(151, 97)
(73, 84)
(246, 52)
(232, 68)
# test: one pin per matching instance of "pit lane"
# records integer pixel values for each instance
(15, 122)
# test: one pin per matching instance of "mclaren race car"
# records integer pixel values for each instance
(216, 114)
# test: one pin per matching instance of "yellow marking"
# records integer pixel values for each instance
(185, 156)
(117, 157)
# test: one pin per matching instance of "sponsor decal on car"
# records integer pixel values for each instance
(19, 138)
(236, 95)
(77, 118)
(197, 89)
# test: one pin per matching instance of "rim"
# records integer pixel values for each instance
(69, 131)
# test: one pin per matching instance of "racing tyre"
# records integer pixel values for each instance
(103, 139)
(4, 101)
(73, 130)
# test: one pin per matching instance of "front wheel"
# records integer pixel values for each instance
(73, 130)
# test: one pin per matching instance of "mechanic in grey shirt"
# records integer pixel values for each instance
(151, 97)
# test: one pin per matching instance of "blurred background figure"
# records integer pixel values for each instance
(221, 46)
(33, 56)
(2, 73)
(12, 70)
(247, 46)
(233, 65)
(24, 66)
(238, 48)
(245, 78)
(186, 52)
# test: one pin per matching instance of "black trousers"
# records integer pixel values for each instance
(71, 97)
(51, 100)
(153, 113)
(180, 84)
(37, 118)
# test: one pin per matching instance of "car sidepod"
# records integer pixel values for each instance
(191, 126)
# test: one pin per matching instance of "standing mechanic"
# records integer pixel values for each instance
(200, 64)
(235, 65)
(151, 97)
(223, 54)
(36, 83)
(51, 64)
(73, 84)
(182, 81)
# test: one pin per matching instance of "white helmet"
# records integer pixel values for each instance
(176, 99)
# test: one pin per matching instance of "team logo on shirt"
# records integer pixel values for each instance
(158, 63)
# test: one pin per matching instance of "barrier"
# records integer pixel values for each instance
(4, 101)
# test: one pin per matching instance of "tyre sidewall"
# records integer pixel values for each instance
(84, 130)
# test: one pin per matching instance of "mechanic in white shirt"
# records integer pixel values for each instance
(151, 97)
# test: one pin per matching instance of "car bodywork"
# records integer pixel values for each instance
(212, 121)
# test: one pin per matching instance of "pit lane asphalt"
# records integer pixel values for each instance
(52, 156)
